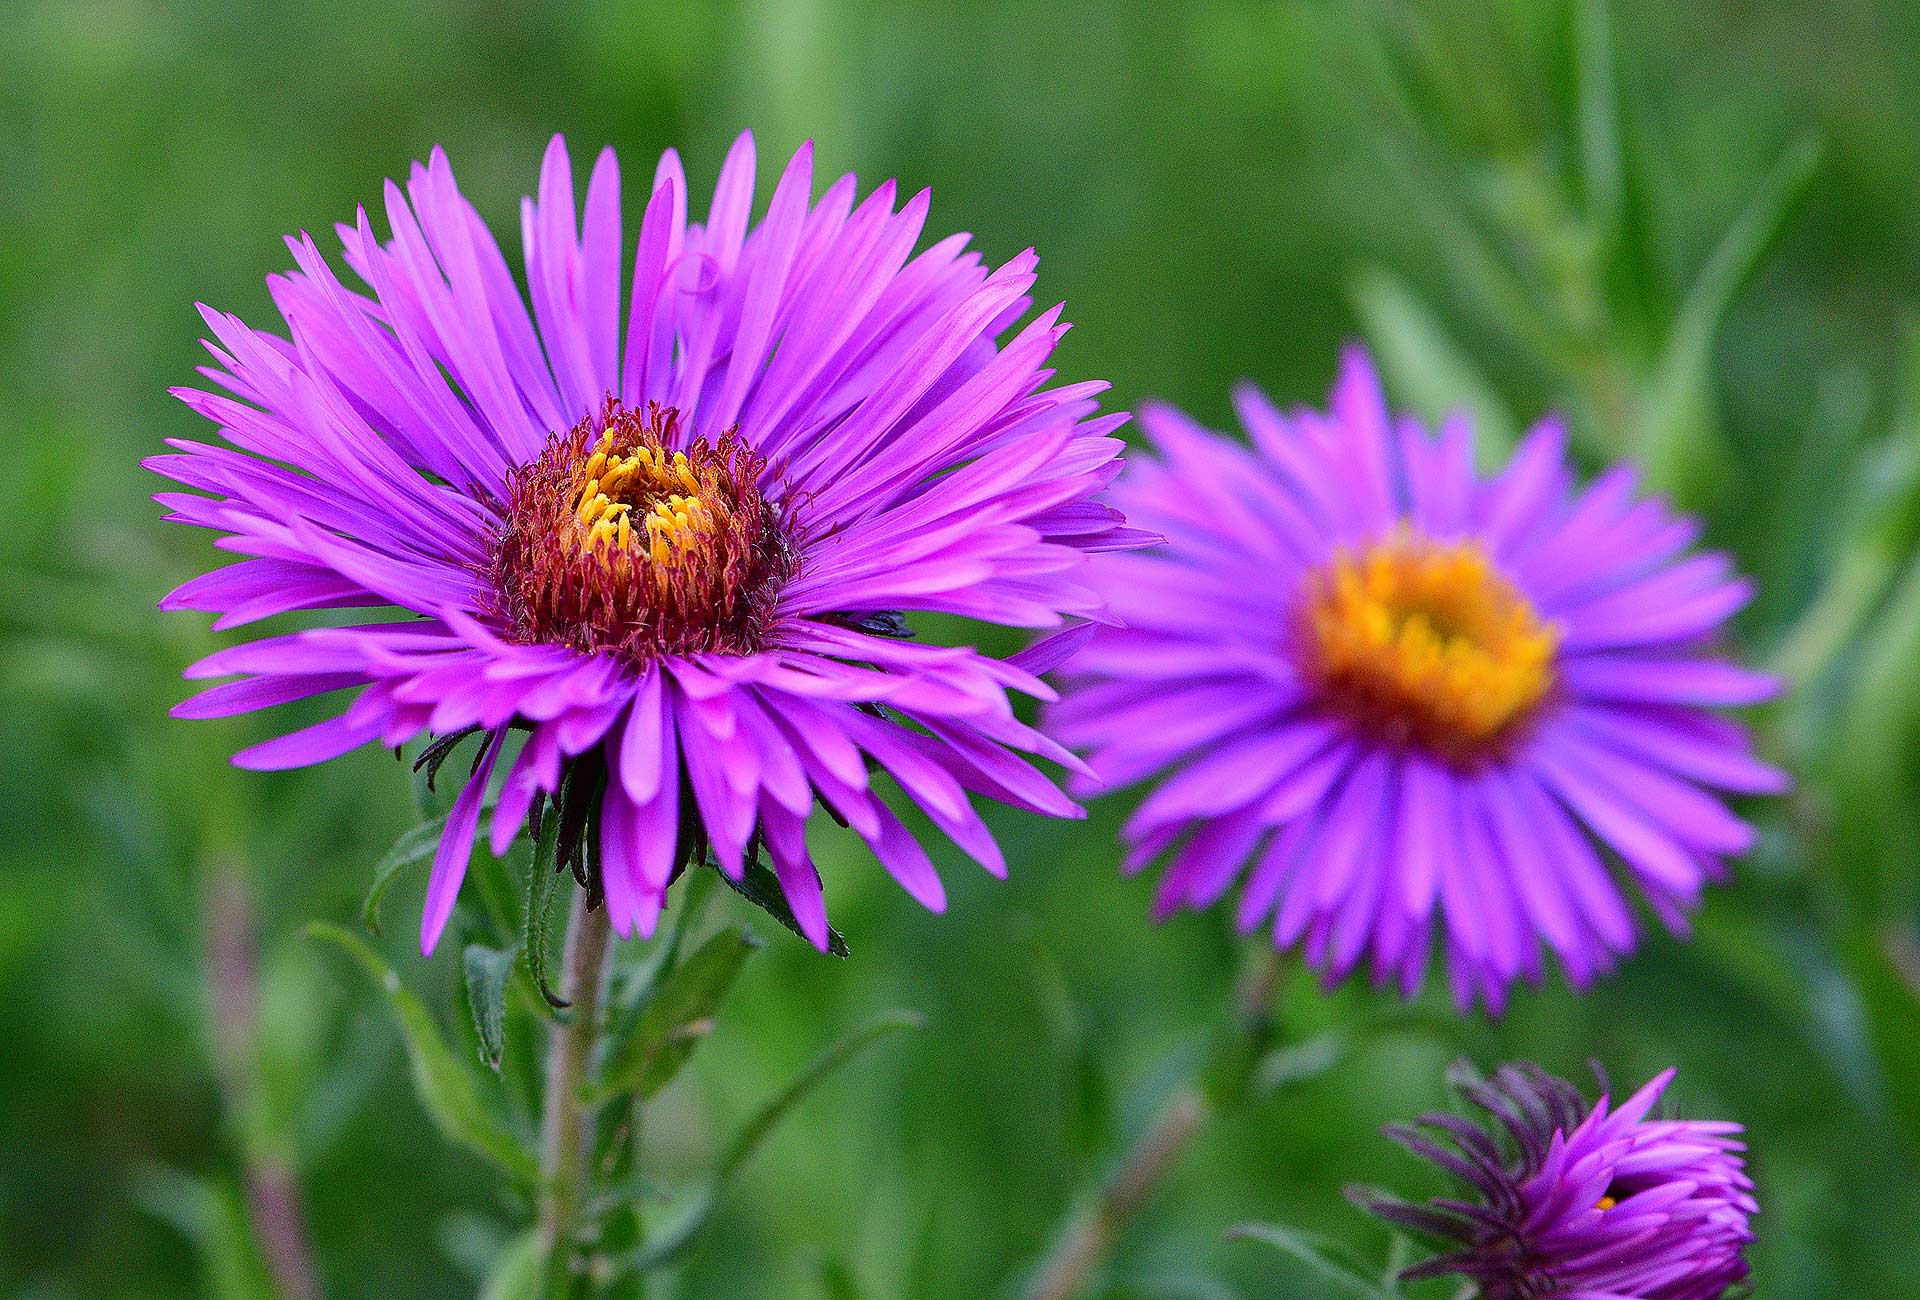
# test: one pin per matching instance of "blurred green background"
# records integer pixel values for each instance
(1692, 226)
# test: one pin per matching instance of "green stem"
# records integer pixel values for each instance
(566, 1146)
(1859, 579)
(1093, 1233)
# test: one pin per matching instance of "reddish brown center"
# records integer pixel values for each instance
(624, 536)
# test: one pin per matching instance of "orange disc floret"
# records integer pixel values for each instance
(1427, 642)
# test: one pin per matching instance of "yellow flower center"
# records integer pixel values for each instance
(611, 541)
(1427, 643)
(675, 516)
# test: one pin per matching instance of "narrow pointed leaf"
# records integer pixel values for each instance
(1316, 1252)
(211, 1215)
(447, 1091)
(488, 970)
(516, 1274)
(543, 881)
(1601, 166)
(635, 986)
(761, 1125)
(414, 847)
(759, 886)
(1425, 366)
(676, 1018)
(1678, 415)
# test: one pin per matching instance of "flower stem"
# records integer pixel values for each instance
(1125, 1195)
(1185, 1115)
(271, 1188)
(566, 1142)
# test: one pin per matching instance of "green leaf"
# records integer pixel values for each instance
(1884, 964)
(677, 1017)
(633, 986)
(837, 1281)
(516, 1274)
(494, 884)
(1317, 1253)
(632, 1190)
(543, 880)
(1602, 170)
(1298, 1062)
(1678, 415)
(488, 970)
(414, 847)
(212, 1217)
(446, 1090)
(759, 886)
(756, 1130)
(760, 1125)
(1424, 366)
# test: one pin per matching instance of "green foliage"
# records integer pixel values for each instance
(759, 886)
(1430, 373)
(759, 1127)
(677, 1016)
(516, 1274)
(1326, 1259)
(446, 1088)
(411, 850)
(488, 970)
(543, 881)
(209, 1214)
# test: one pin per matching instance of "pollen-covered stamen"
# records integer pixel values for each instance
(624, 535)
(1428, 643)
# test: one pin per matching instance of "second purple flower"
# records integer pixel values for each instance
(1402, 701)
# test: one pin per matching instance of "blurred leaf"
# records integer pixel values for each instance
(516, 1274)
(678, 1015)
(760, 1126)
(1885, 706)
(298, 1001)
(1172, 1286)
(634, 985)
(1317, 1253)
(446, 1090)
(632, 1190)
(472, 1241)
(1885, 966)
(1425, 368)
(759, 886)
(1613, 172)
(487, 971)
(213, 1218)
(499, 894)
(414, 847)
(1298, 1062)
(1601, 168)
(837, 1281)
(1677, 419)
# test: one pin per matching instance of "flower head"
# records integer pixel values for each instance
(661, 532)
(1578, 1201)
(1400, 697)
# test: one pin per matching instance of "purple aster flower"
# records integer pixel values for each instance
(1399, 696)
(1577, 1202)
(656, 541)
